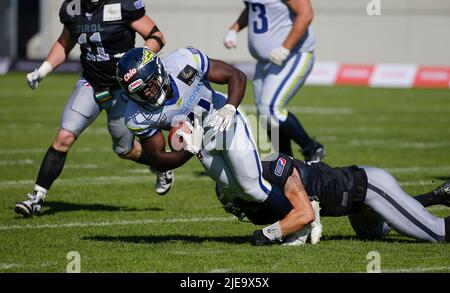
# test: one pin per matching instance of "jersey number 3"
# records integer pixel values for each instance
(260, 25)
(95, 39)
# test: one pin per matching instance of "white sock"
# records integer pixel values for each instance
(40, 191)
(273, 232)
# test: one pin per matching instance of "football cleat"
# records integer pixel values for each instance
(444, 192)
(315, 153)
(30, 207)
(316, 226)
(259, 239)
(299, 238)
(164, 181)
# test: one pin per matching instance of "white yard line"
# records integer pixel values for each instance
(116, 223)
(43, 150)
(417, 169)
(390, 143)
(418, 269)
(99, 180)
(309, 110)
(26, 161)
(416, 183)
(7, 266)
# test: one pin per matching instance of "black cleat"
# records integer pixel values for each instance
(259, 239)
(444, 192)
(316, 152)
(30, 207)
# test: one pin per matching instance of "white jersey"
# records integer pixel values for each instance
(192, 93)
(269, 23)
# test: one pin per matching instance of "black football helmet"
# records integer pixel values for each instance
(142, 75)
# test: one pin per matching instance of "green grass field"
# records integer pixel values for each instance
(106, 208)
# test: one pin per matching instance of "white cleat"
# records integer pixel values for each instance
(164, 181)
(299, 238)
(316, 226)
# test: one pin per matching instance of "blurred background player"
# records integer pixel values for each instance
(105, 30)
(371, 197)
(162, 91)
(282, 42)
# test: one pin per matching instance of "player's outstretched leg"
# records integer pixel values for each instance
(51, 167)
(402, 212)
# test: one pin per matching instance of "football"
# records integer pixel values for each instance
(176, 143)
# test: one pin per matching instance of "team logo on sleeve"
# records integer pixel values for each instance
(280, 167)
(147, 57)
(139, 4)
(187, 75)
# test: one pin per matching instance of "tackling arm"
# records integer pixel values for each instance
(302, 212)
(154, 149)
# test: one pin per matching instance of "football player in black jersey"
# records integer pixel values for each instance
(371, 198)
(104, 30)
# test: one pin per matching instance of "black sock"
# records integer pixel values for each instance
(429, 199)
(51, 167)
(283, 145)
(292, 127)
(447, 229)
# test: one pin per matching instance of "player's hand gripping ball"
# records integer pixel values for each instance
(176, 141)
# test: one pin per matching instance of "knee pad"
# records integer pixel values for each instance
(122, 138)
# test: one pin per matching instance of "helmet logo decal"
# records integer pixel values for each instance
(135, 85)
(147, 57)
(129, 75)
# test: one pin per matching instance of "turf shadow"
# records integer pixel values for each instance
(201, 174)
(444, 178)
(53, 207)
(162, 239)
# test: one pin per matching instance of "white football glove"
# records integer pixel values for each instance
(230, 40)
(33, 78)
(223, 118)
(192, 142)
(278, 55)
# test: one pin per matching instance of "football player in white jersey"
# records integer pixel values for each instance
(282, 42)
(177, 88)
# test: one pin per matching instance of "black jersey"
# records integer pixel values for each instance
(340, 191)
(103, 35)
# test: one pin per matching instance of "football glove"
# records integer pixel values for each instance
(278, 55)
(230, 39)
(223, 118)
(192, 142)
(33, 78)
